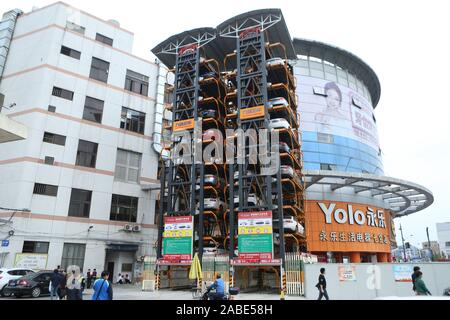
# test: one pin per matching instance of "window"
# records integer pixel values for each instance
(73, 254)
(80, 203)
(75, 27)
(324, 138)
(86, 154)
(70, 52)
(104, 39)
(93, 109)
(54, 138)
(51, 108)
(136, 82)
(45, 189)
(447, 244)
(35, 247)
(49, 160)
(123, 208)
(99, 70)
(62, 93)
(128, 166)
(168, 93)
(327, 166)
(132, 120)
(127, 267)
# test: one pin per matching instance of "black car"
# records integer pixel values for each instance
(34, 284)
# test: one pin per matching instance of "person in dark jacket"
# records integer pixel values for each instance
(414, 276)
(421, 288)
(55, 281)
(88, 278)
(102, 288)
(322, 285)
(62, 286)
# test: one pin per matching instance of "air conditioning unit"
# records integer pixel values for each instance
(128, 227)
(136, 228)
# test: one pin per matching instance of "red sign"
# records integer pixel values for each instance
(249, 31)
(187, 49)
(169, 262)
(178, 219)
(255, 256)
(255, 215)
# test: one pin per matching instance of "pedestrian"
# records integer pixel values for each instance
(89, 278)
(94, 275)
(62, 286)
(55, 281)
(74, 283)
(127, 280)
(322, 285)
(119, 279)
(416, 270)
(421, 288)
(102, 288)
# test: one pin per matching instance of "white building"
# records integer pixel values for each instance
(443, 235)
(85, 169)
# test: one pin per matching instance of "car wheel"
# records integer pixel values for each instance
(3, 293)
(36, 292)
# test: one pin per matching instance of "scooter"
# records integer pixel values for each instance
(228, 296)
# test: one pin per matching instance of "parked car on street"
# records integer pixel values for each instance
(33, 284)
(11, 274)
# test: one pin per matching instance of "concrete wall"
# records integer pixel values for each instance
(374, 280)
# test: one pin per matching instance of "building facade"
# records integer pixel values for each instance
(443, 235)
(80, 178)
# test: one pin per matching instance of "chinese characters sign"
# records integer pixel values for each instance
(255, 238)
(339, 226)
(347, 273)
(177, 241)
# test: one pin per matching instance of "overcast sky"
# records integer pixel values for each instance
(405, 42)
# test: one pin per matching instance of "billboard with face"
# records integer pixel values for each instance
(331, 108)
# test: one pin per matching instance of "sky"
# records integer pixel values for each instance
(405, 43)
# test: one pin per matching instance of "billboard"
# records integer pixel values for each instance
(255, 236)
(330, 108)
(347, 273)
(402, 273)
(178, 238)
(34, 261)
(347, 227)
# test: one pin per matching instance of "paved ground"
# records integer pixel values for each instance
(132, 292)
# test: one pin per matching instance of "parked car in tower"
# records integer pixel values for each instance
(208, 113)
(211, 180)
(278, 101)
(279, 123)
(11, 274)
(274, 62)
(283, 147)
(213, 204)
(287, 171)
(34, 284)
(290, 224)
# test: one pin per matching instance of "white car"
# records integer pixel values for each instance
(290, 224)
(11, 274)
(279, 101)
(213, 204)
(274, 62)
(279, 123)
(252, 200)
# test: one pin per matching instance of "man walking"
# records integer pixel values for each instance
(322, 285)
(102, 288)
(55, 281)
(88, 278)
(414, 277)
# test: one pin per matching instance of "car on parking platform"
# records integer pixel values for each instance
(278, 101)
(11, 274)
(290, 224)
(279, 123)
(34, 284)
(274, 62)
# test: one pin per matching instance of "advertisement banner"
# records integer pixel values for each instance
(255, 236)
(178, 238)
(34, 261)
(253, 112)
(347, 273)
(402, 273)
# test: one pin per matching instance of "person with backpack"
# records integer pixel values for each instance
(322, 285)
(102, 288)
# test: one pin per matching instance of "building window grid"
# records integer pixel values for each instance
(73, 254)
(80, 203)
(99, 70)
(128, 166)
(132, 120)
(93, 109)
(45, 189)
(86, 154)
(54, 138)
(35, 247)
(136, 82)
(123, 208)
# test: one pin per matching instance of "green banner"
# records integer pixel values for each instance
(177, 245)
(255, 243)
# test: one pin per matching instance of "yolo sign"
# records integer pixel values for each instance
(342, 216)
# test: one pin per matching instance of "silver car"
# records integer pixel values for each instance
(279, 123)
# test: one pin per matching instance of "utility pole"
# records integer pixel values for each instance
(403, 243)
(429, 245)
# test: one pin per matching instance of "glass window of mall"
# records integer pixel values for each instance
(128, 164)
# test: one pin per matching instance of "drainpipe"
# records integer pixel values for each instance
(159, 111)
(7, 25)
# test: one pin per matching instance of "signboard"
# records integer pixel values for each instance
(402, 273)
(34, 261)
(330, 108)
(5, 243)
(183, 125)
(347, 273)
(255, 236)
(177, 238)
(347, 227)
(253, 112)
